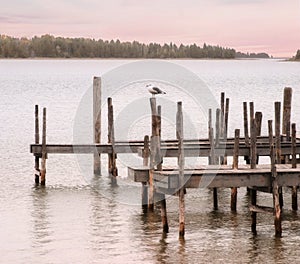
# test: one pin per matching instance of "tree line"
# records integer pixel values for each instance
(60, 47)
(297, 56)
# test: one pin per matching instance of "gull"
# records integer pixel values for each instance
(154, 90)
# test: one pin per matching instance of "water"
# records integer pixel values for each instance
(71, 222)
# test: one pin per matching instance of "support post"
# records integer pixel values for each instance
(97, 122)
(294, 165)
(253, 193)
(179, 125)
(218, 111)
(222, 113)
(235, 167)
(287, 107)
(278, 144)
(37, 141)
(44, 154)
(246, 125)
(275, 188)
(212, 160)
(112, 166)
(153, 151)
(146, 164)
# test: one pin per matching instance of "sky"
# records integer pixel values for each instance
(271, 26)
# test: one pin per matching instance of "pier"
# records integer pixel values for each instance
(281, 145)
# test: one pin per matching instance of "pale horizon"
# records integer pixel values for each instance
(269, 26)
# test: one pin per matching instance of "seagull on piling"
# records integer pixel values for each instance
(154, 90)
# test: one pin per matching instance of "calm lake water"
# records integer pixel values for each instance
(70, 221)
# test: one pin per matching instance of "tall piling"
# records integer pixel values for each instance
(44, 153)
(146, 152)
(235, 166)
(112, 157)
(294, 165)
(97, 122)
(179, 132)
(37, 141)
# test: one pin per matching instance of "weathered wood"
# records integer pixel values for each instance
(277, 132)
(226, 118)
(146, 152)
(277, 207)
(246, 125)
(251, 106)
(294, 146)
(287, 107)
(164, 217)
(97, 122)
(222, 113)
(253, 147)
(168, 150)
(253, 196)
(217, 126)
(37, 141)
(236, 149)
(44, 154)
(258, 119)
(278, 144)
(235, 166)
(179, 133)
(112, 166)
(294, 165)
(219, 176)
(153, 151)
(158, 151)
(261, 209)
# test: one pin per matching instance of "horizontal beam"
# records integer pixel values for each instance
(217, 177)
(167, 150)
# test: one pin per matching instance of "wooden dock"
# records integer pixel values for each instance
(282, 146)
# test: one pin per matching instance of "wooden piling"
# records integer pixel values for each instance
(275, 188)
(235, 165)
(44, 154)
(277, 206)
(246, 125)
(278, 144)
(37, 141)
(153, 151)
(146, 152)
(251, 106)
(253, 151)
(258, 119)
(213, 160)
(287, 107)
(222, 113)
(218, 112)
(97, 122)
(112, 166)
(253, 192)
(294, 165)
(179, 125)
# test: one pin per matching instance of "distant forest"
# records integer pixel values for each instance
(297, 56)
(48, 46)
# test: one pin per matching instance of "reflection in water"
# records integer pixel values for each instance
(41, 220)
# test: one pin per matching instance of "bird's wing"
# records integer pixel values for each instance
(157, 89)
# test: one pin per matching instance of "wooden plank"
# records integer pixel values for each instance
(190, 151)
(261, 209)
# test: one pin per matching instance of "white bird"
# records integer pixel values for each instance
(154, 90)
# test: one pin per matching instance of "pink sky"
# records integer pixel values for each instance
(272, 26)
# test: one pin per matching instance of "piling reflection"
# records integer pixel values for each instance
(41, 218)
